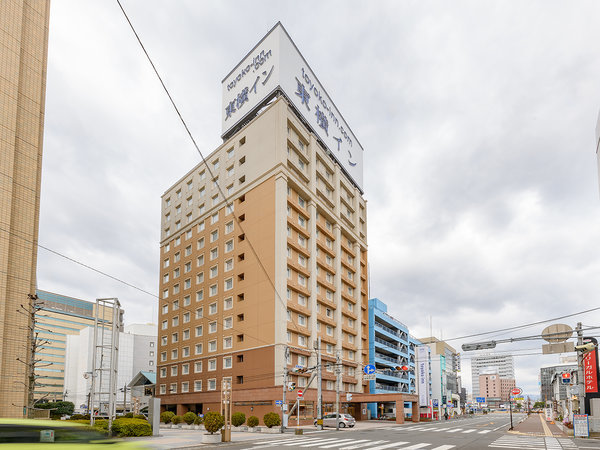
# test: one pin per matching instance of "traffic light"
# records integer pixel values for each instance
(402, 368)
(291, 386)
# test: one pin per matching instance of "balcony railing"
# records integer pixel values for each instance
(394, 373)
(387, 343)
(388, 329)
(387, 358)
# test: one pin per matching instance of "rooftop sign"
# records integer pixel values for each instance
(276, 64)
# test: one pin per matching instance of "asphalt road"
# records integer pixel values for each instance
(482, 432)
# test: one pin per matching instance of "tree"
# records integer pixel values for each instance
(539, 405)
(213, 421)
(61, 408)
(35, 343)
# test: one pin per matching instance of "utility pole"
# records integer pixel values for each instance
(124, 399)
(338, 372)
(580, 379)
(286, 352)
(319, 383)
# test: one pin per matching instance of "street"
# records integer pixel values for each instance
(469, 433)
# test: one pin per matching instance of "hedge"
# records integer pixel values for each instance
(238, 419)
(166, 416)
(131, 427)
(252, 421)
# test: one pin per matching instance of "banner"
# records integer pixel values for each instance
(423, 374)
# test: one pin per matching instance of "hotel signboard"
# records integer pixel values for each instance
(423, 374)
(275, 64)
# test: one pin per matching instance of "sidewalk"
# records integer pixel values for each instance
(536, 425)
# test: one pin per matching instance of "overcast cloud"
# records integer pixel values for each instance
(477, 120)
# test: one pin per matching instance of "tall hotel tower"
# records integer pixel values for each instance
(23, 58)
(263, 247)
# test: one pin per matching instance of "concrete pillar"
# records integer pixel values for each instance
(400, 411)
(416, 417)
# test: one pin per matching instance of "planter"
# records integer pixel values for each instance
(165, 425)
(240, 428)
(198, 427)
(254, 429)
(274, 430)
(208, 438)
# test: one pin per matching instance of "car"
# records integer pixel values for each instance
(34, 433)
(345, 420)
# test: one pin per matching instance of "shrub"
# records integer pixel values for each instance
(129, 415)
(271, 420)
(176, 420)
(131, 427)
(252, 421)
(238, 419)
(213, 421)
(78, 417)
(139, 416)
(166, 416)
(189, 417)
(58, 408)
(198, 420)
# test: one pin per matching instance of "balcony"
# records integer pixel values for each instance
(387, 344)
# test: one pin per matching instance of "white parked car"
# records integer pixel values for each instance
(345, 420)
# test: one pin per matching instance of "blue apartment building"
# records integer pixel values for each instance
(390, 346)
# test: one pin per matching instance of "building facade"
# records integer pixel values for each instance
(137, 353)
(23, 61)
(445, 369)
(263, 256)
(59, 317)
(503, 365)
(495, 389)
(547, 374)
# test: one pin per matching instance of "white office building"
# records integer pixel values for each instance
(503, 365)
(137, 352)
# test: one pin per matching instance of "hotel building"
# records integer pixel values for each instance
(23, 60)
(502, 365)
(264, 253)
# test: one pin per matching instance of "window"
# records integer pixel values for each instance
(166, 263)
(329, 260)
(301, 240)
(229, 284)
(173, 371)
(229, 227)
(200, 278)
(186, 351)
(174, 354)
(175, 305)
(165, 324)
(301, 300)
(198, 330)
(215, 217)
(301, 320)
(229, 246)
(227, 362)
(228, 323)
(165, 293)
(163, 372)
(163, 340)
(175, 338)
(328, 312)
(201, 226)
(165, 308)
(187, 267)
(200, 295)
(289, 315)
(229, 190)
(230, 171)
(176, 273)
(227, 342)
(176, 257)
(214, 271)
(301, 280)
(330, 350)
(229, 209)
(200, 244)
(301, 221)
(212, 364)
(198, 349)
(212, 384)
(215, 200)
(186, 317)
(187, 283)
(302, 340)
(329, 330)
(214, 236)
(230, 153)
(185, 369)
(186, 334)
(329, 385)
(198, 367)
(163, 356)
(202, 191)
(212, 308)
(185, 386)
(301, 360)
(167, 217)
(350, 306)
(228, 265)
(350, 322)
(228, 303)
(175, 321)
(197, 385)
(215, 164)
(212, 346)
(215, 183)
(289, 336)
(213, 290)
(202, 175)
(212, 327)
(201, 210)
(200, 261)
(163, 389)
(351, 355)
(168, 202)
(302, 260)
(301, 381)
(178, 207)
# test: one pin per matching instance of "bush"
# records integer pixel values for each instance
(166, 416)
(213, 421)
(271, 420)
(131, 427)
(238, 419)
(189, 417)
(176, 420)
(252, 421)
(198, 420)
(58, 408)
(129, 415)
(139, 416)
(77, 417)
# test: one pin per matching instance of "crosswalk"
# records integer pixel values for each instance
(434, 429)
(533, 443)
(346, 444)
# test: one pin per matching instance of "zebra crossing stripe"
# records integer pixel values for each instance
(275, 441)
(416, 446)
(315, 443)
(344, 442)
(469, 431)
(368, 443)
(381, 447)
(444, 447)
(484, 431)
(455, 430)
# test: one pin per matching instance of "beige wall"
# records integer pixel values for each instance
(306, 223)
(24, 44)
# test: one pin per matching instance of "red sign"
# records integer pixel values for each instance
(590, 367)
(300, 393)
(516, 391)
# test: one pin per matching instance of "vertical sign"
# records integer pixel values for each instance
(423, 374)
(581, 425)
(590, 368)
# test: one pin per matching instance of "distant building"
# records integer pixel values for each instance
(547, 373)
(501, 364)
(137, 353)
(390, 348)
(494, 388)
(445, 367)
(59, 317)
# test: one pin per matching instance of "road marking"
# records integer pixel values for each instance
(501, 426)
(483, 431)
(470, 431)
(547, 431)
(416, 446)
(369, 443)
(380, 447)
(317, 442)
(340, 442)
(444, 447)
(454, 430)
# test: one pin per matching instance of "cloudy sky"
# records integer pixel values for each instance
(477, 120)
